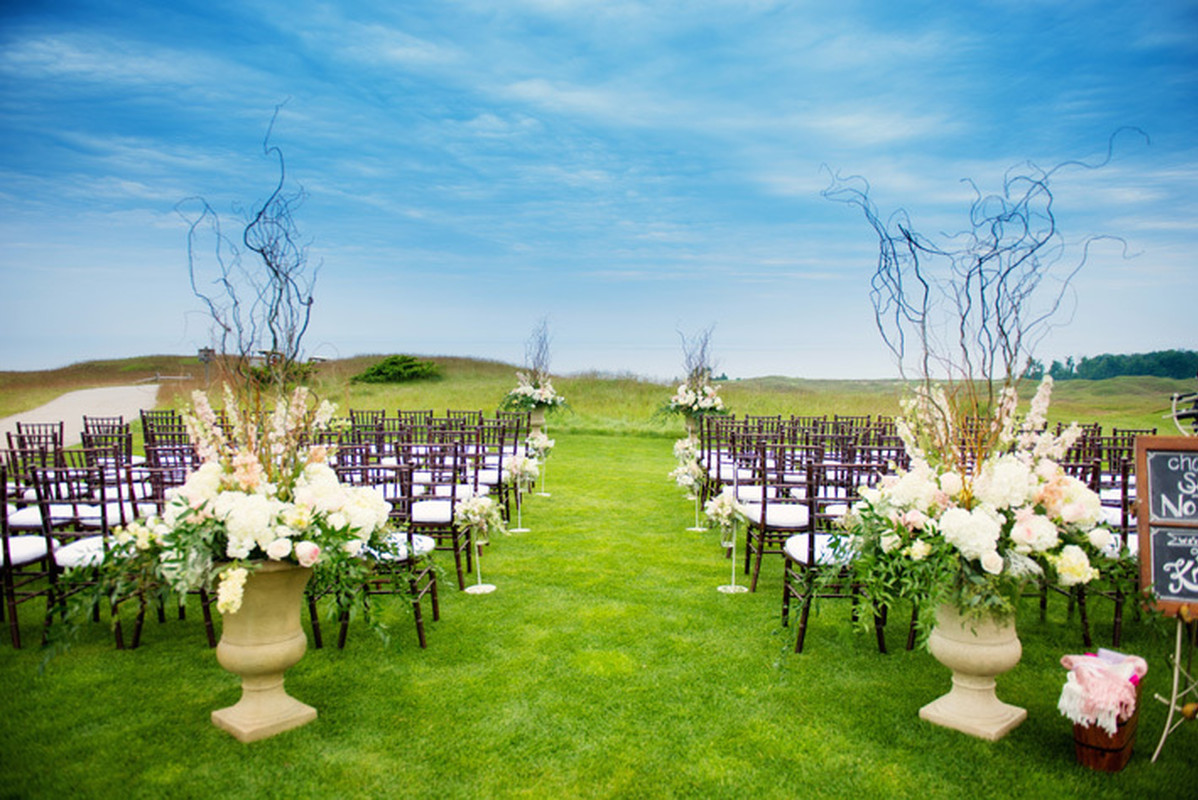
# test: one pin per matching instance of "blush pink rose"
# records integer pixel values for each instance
(307, 553)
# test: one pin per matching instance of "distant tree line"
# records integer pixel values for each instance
(1160, 364)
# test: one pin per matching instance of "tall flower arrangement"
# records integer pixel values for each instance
(264, 492)
(984, 508)
(532, 392)
(696, 398)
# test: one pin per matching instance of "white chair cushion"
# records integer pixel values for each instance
(432, 512)
(796, 548)
(836, 509)
(81, 553)
(30, 517)
(25, 550)
(423, 545)
(489, 477)
(778, 515)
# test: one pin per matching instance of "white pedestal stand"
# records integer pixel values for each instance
(732, 588)
(479, 587)
(519, 513)
(697, 527)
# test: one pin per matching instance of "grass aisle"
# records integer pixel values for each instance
(605, 665)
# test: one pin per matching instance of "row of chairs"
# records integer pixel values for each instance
(796, 479)
(797, 476)
(61, 503)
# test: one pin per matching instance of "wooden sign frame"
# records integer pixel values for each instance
(1168, 520)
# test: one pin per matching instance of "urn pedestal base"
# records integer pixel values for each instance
(975, 711)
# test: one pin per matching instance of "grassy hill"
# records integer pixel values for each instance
(599, 402)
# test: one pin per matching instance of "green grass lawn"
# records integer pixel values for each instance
(606, 664)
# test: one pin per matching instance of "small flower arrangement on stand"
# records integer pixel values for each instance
(689, 473)
(725, 511)
(539, 446)
(481, 517)
(521, 472)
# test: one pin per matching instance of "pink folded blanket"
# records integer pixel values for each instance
(1101, 689)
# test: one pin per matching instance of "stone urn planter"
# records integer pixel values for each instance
(536, 419)
(976, 650)
(259, 642)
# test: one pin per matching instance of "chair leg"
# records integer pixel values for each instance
(1117, 632)
(14, 624)
(116, 628)
(1043, 601)
(803, 615)
(457, 558)
(314, 616)
(432, 583)
(416, 612)
(206, 608)
(786, 576)
(139, 622)
(757, 566)
(1087, 640)
(880, 627)
(344, 632)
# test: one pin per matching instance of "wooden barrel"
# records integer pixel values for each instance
(1099, 750)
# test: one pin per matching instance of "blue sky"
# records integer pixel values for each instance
(626, 169)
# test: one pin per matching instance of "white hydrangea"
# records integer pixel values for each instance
(1005, 482)
(973, 532)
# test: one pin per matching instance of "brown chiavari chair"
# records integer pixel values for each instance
(25, 571)
(400, 567)
(73, 504)
(811, 566)
(777, 500)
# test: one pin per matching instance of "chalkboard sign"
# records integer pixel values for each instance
(1167, 488)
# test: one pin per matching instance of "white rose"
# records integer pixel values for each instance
(919, 550)
(278, 549)
(890, 541)
(1100, 538)
(951, 484)
(992, 562)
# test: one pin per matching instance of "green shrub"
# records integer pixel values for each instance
(398, 369)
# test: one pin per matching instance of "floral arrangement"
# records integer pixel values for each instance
(263, 493)
(695, 398)
(538, 445)
(725, 511)
(945, 532)
(1101, 688)
(521, 471)
(481, 516)
(689, 472)
(532, 392)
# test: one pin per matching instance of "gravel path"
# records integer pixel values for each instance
(109, 401)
